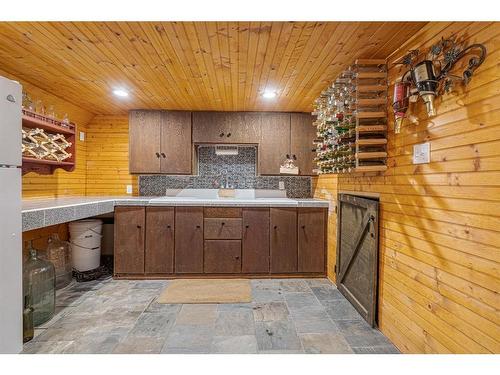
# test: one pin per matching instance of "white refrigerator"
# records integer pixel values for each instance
(11, 293)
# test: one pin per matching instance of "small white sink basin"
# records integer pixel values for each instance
(239, 194)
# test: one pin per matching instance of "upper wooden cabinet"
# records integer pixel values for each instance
(274, 143)
(160, 142)
(226, 127)
(302, 134)
(144, 141)
(175, 145)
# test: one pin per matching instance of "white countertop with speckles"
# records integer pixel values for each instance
(39, 213)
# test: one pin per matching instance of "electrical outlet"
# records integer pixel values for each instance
(281, 185)
(82, 136)
(129, 189)
(422, 153)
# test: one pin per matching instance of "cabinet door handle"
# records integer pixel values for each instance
(221, 134)
(247, 226)
(228, 135)
(287, 156)
(223, 223)
(139, 227)
(158, 155)
(236, 258)
(294, 157)
(303, 227)
(163, 154)
(275, 227)
(198, 227)
(168, 226)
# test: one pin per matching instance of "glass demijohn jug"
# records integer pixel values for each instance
(59, 255)
(39, 278)
(28, 331)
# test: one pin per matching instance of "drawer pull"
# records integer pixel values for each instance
(303, 227)
(168, 226)
(223, 224)
(139, 227)
(247, 226)
(275, 227)
(198, 227)
(163, 155)
(221, 135)
(157, 154)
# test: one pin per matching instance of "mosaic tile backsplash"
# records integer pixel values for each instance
(239, 171)
(242, 165)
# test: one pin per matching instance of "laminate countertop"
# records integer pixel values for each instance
(39, 213)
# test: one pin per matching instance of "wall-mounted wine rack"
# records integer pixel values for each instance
(352, 120)
(47, 144)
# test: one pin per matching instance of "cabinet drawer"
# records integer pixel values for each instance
(222, 256)
(222, 212)
(217, 229)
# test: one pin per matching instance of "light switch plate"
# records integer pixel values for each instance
(422, 153)
(129, 189)
(281, 185)
(82, 136)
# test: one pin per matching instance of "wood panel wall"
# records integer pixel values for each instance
(61, 183)
(440, 222)
(107, 156)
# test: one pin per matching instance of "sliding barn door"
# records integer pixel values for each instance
(357, 253)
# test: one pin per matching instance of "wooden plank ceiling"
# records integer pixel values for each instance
(192, 65)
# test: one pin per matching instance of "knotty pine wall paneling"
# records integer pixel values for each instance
(439, 222)
(107, 156)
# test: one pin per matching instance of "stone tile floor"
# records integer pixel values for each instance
(285, 316)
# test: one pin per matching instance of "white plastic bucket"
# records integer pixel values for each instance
(85, 239)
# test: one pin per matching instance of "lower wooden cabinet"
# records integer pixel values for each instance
(222, 228)
(129, 240)
(311, 239)
(255, 241)
(159, 245)
(152, 241)
(283, 242)
(222, 256)
(189, 239)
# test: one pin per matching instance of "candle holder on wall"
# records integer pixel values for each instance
(430, 75)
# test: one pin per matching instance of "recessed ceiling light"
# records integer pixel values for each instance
(120, 92)
(268, 94)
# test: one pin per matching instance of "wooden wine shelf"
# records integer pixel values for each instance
(371, 102)
(372, 128)
(364, 75)
(36, 120)
(363, 115)
(371, 88)
(371, 142)
(371, 168)
(50, 125)
(371, 155)
(368, 106)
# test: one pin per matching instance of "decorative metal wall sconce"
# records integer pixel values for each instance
(432, 76)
